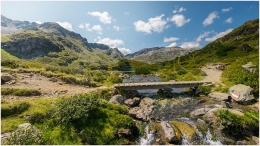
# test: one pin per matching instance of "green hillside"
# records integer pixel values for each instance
(236, 49)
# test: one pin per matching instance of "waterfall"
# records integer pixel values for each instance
(150, 138)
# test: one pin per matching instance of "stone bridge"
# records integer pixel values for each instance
(158, 85)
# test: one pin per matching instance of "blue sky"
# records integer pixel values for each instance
(131, 26)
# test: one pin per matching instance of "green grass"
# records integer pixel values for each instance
(20, 92)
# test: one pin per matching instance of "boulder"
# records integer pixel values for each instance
(132, 102)
(218, 96)
(255, 139)
(169, 133)
(117, 99)
(146, 102)
(6, 77)
(124, 133)
(199, 112)
(241, 93)
(138, 113)
(201, 122)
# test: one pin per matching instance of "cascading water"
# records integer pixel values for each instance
(208, 139)
(150, 137)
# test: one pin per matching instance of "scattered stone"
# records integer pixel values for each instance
(146, 102)
(5, 77)
(132, 102)
(249, 67)
(199, 112)
(60, 83)
(256, 139)
(117, 99)
(169, 133)
(225, 104)
(241, 93)
(53, 79)
(63, 91)
(218, 96)
(201, 122)
(242, 142)
(124, 133)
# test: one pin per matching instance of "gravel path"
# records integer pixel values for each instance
(213, 75)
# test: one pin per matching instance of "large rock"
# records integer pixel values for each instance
(169, 133)
(218, 96)
(144, 110)
(241, 93)
(6, 77)
(117, 99)
(199, 112)
(132, 102)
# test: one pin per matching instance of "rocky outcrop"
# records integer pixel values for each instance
(169, 133)
(245, 48)
(117, 99)
(124, 133)
(241, 93)
(218, 96)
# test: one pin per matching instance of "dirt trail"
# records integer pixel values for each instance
(48, 88)
(213, 75)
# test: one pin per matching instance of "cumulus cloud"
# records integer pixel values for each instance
(218, 35)
(116, 28)
(103, 17)
(179, 20)
(229, 20)
(81, 26)
(227, 9)
(156, 24)
(66, 25)
(170, 39)
(190, 45)
(126, 13)
(38, 22)
(181, 9)
(97, 28)
(110, 42)
(209, 20)
(205, 34)
(172, 45)
(124, 51)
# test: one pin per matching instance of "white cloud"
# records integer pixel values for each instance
(97, 28)
(116, 28)
(179, 20)
(218, 35)
(170, 39)
(38, 22)
(155, 24)
(174, 11)
(87, 27)
(124, 51)
(66, 25)
(182, 9)
(190, 45)
(205, 34)
(209, 20)
(103, 17)
(81, 26)
(111, 43)
(229, 20)
(126, 13)
(172, 45)
(227, 9)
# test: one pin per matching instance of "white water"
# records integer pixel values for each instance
(208, 139)
(150, 138)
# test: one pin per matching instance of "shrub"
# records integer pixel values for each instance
(14, 109)
(235, 124)
(10, 63)
(205, 89)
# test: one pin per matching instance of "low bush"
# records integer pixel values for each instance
(10, 110)
(20, 92)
